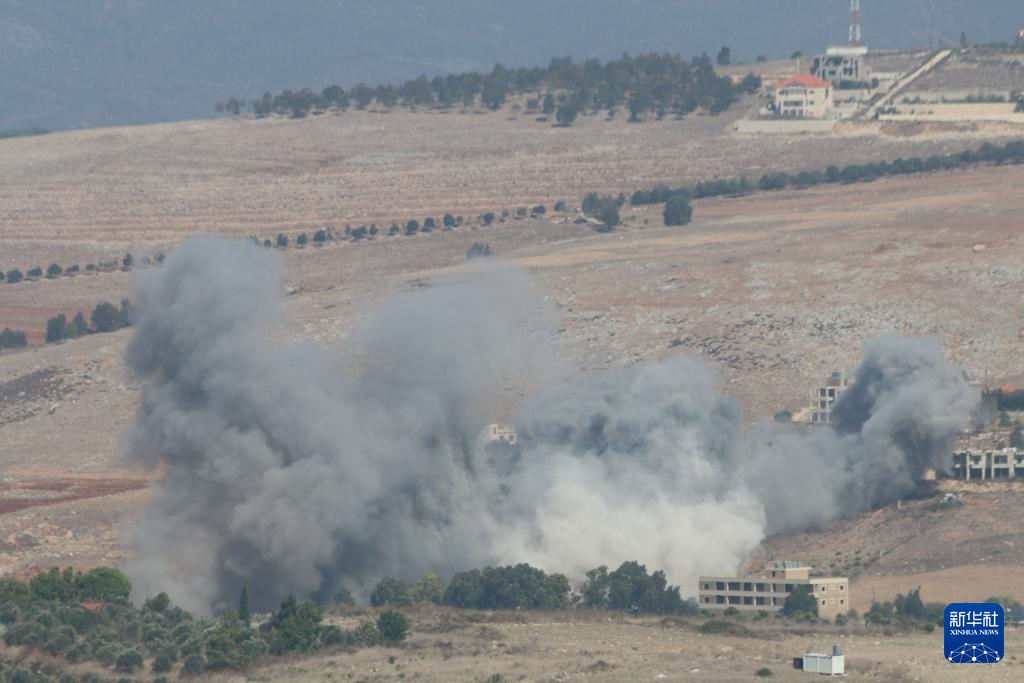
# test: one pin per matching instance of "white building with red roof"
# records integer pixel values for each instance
(803, 97)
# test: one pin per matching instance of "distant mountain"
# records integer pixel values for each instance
(80, 63)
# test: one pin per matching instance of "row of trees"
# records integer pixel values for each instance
(87, 617)
(518, 587)
(12, 339)
(659, 83)
(448, 222)
(106, 317)
(55, 270)
(1010, 153)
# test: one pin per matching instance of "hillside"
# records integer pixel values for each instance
(94, 63)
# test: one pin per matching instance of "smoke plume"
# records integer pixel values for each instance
(282, 468)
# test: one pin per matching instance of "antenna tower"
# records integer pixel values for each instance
(855, 23)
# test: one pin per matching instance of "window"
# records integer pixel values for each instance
(719, 599)
(720, 585)
(748, 586)
(842, 587)
(734, 599)
(759, 587)
(734, 585)
(789, 588)
(841, 601)
(747, 600)
(759, 601)
(822, 603)
(707, 586)
(707, 601)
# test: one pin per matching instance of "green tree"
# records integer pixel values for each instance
(12, 339)
(800, 601)
(429, 588)
(595, 589)
(319, 237)
(549, 104)
(35, 272)
(412, 227)
(128, 661)
(393, 626)
(603, 208)
(128, 261)
(54, 271)
(55, 328)
(14, 275)
(488, 217)
(724, 57)
(343, 596)
(448, 220)
(390, 591)
(963, 40)
(53, 585)
(302, 240)
(539, 210)
(560, 205)
(567, 114)
(294, 627)
(282, 240)
(105, 317)
(104, 583)
(244, 609)
(678, 210)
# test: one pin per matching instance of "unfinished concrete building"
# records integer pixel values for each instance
(978, 465)
(768, 593)
(823, 399)
(842, 65)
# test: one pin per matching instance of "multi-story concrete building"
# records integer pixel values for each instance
(803, 97)
(769, 592)
(977, 465)
(842, 64)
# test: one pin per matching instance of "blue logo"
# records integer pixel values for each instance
(974, 633)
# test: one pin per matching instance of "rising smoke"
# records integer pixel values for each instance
(280, 467)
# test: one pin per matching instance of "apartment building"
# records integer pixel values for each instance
(977, 465)
(497, 433)
(769, 592)
(803, 97)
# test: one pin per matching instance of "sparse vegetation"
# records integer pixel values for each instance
(604, 209)
(12, 339)
(478, 250)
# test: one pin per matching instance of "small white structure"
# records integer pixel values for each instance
(832, 665)
(497, 433)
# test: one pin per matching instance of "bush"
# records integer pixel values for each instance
(560, 205)
(764, 672)
(677, 210)
(488, 218)
(35, 272)
(412, 227)
(320, 236)
(478, 250)
(448, 220)
(302, 240)
(731, 612)
(717, 627)
(539, 210)
(604, 209)
(294, 627)
(104, 583)
(55, 328)
(429, 224)
(392, 626)
(14, 275)
(390, 591)
(128, 661)
(281, 240)
(12, 339)
(343, 596)
(54, 271)
(512, 587)
(193, 666)
(429, 588)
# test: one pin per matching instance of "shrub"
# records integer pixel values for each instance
(677, 211)
(55, 328)
(731, 612)
(764, 672)
(106, 317)
(343, 596)
(294, 627)
(54, 270)
(302, 240)
(14, 275)
(478, 250)
(521, 212)
(429, 224)
(107, 653)
(412, 227)
(320, 236)
(539, 210)
(488, 218)
(800, 601)
(448, 220)
(128, 661)
(717, 627)
(429, 588)
(560, 205)
(367, 634)
(282, 240)
(604, 209)
(12, 339)
(390, 591)
(35, 272)
(193, 666)
(393, 626)
(104, 583)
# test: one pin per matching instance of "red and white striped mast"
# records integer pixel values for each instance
(855, 23)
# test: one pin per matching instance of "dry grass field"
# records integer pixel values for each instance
(774, 289)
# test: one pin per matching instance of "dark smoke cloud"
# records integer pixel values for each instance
(281, 468)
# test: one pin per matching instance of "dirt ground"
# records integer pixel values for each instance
(496, 648)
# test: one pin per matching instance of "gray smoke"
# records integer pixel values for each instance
(280, 467)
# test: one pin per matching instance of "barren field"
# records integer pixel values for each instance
(448, 647)
(776, 290)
